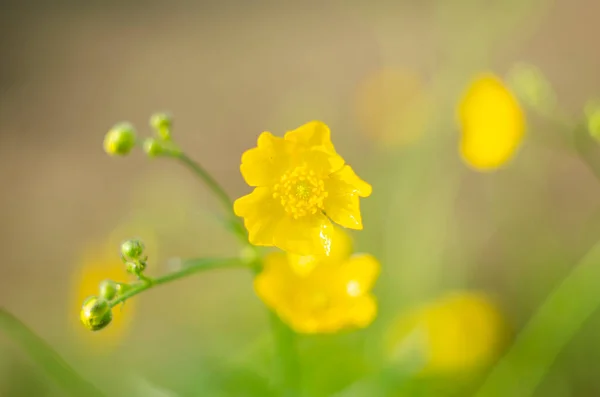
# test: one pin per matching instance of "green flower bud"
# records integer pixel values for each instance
(135, 267)
(108, 289)
(95, 313)
(132, 249)
(162, 123)
(119, 140)
(532, 87)
(153, 147)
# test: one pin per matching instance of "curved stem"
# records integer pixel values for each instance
(50, 361)
(210, 182)
(189, 267)
(557, 320)
(217, 189)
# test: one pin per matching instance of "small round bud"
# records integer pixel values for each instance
(162, 123)
(249, 255)
(132, 249)
(153, 147)
(95, 313)
(108, 289)
(136, 268)
(119, 140)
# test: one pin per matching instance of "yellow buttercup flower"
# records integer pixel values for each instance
(333, 295)
(492, 123)
(301, 185)
(459, 332)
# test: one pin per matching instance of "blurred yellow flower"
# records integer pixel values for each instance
(392, 106)
(331, 295)
(100, 263)
(301, 185)
(492, 123)
(459, 332)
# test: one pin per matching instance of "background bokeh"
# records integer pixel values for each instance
(385, 76)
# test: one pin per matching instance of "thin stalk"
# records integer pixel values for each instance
(216, 189)
(189, 267)
(47, 358)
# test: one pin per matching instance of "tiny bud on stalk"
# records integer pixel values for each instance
(132, 249)
(95, 313)
(152, 147)
(162, 123)
(120, 140)
(108, 289)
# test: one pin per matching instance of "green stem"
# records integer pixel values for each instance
(286, 360)
(52, 363)
(189, 267)
(210, 182)
(217, 189)
(556, 322)
(284, 337)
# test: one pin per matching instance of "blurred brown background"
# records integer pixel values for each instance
(229, 70)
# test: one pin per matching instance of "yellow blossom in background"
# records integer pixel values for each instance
(391, 106)
(333, 295)
(301, 185)
(98, 263)
(492, 123)
(458, 333)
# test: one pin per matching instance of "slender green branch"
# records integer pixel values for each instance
(50, 361)
(189, 267)
(557, 320)
(217, 189)
(210, 182)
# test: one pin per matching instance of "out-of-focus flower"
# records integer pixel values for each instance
(458, 333)
(492, 123)
(391, 106)
(100, 263)
(301, 185)
(329, 295)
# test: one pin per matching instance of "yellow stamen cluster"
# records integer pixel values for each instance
(301, 192)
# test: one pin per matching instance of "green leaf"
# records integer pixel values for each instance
(49, 360)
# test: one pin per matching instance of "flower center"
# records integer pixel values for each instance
(301, 192)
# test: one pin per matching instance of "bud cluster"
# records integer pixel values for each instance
(121, 138)
(96, 311)
(132, 256)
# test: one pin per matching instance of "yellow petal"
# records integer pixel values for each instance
(275, 282)
(321, 162)
(360, 273)
(309, 235)
(261, 213)
(492, 123)
(356, 185)
(364, 311)
(314, 134)
(342, 204)
(264, 164)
